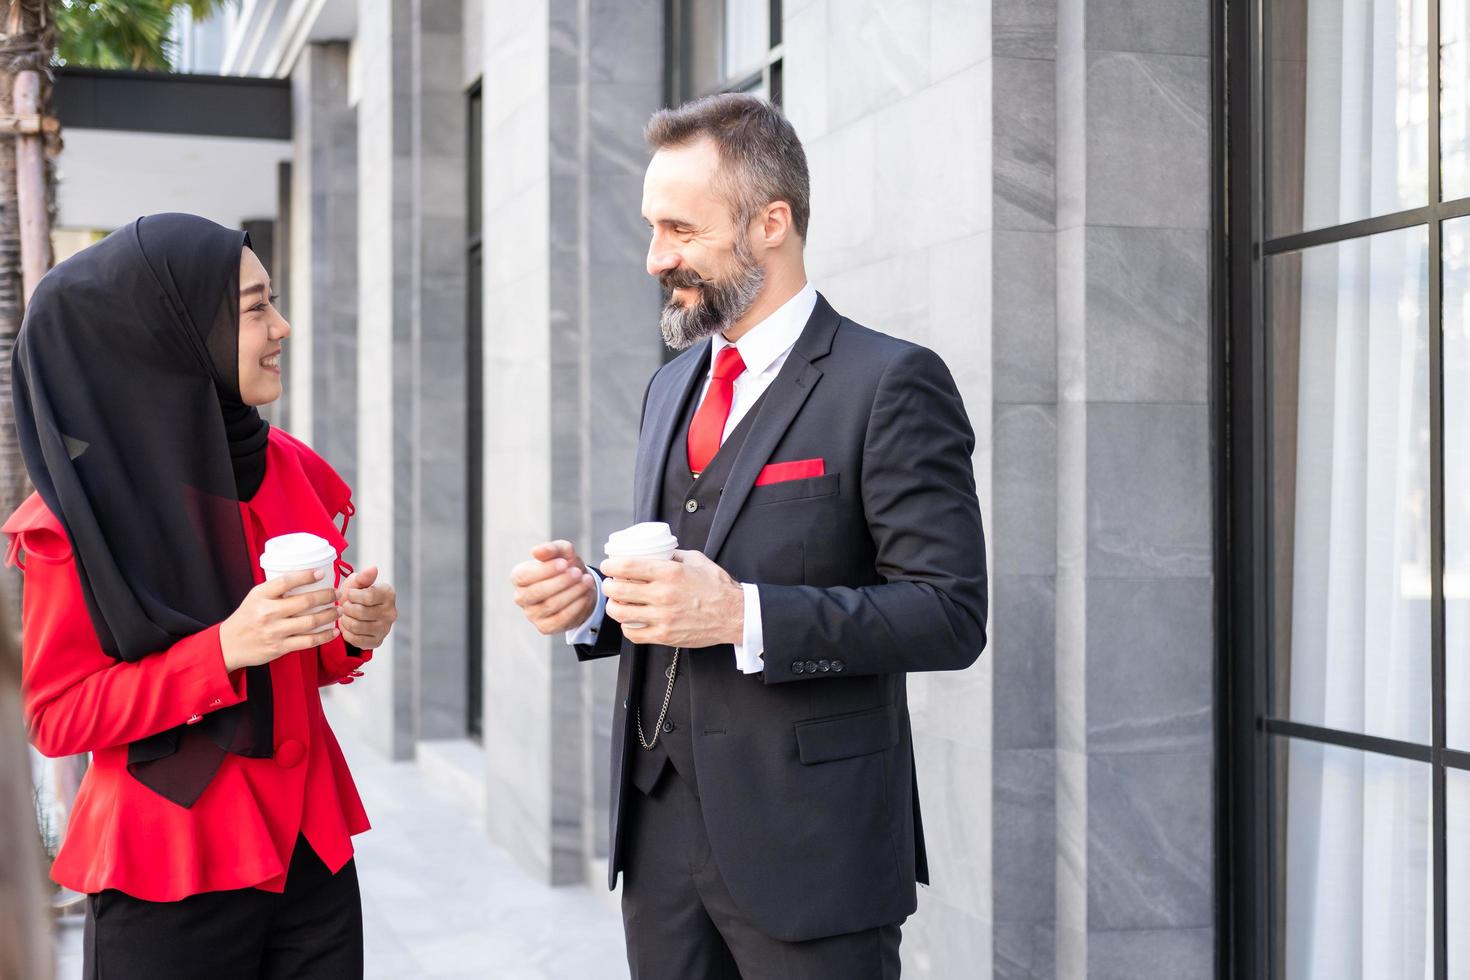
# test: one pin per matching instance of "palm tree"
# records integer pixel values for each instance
(122, 33)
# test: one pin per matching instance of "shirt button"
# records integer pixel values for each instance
(194, 719)
(215, 703)
(691, 505)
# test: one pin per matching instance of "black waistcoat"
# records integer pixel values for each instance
(688, 506)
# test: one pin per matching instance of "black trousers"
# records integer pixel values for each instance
(681, 923)
(312, 930)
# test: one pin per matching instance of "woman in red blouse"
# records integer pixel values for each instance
(212, 832)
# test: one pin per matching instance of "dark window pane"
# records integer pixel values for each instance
(1350, 456)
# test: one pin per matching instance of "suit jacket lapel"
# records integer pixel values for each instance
(783, 400)
(666, 401)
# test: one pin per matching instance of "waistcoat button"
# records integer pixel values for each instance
(290, 753)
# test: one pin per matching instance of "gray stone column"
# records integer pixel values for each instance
(571, 338)
(1023, 597)
(1135, 633)
(410, 360)
(322, 353)
(439, 438)
(1103, 642)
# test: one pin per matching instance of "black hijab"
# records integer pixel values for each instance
(131, 422)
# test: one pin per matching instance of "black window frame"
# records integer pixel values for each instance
(1247, 731)
(475, 415)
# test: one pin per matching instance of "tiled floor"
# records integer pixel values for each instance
(440, 900)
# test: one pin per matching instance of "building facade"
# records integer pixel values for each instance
(1199, 272)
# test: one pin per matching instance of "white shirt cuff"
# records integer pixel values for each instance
(750, 656)
(587, 632)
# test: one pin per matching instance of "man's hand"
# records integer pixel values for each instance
(554, 588)
(368, 610)
(688, 602)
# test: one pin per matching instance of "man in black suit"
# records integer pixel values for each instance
(817, 474)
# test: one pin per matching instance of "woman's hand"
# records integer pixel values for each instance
(269, 624)
(368, 611)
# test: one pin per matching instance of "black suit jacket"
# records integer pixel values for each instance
(873, 570)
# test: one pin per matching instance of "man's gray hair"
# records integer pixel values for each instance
(761, 159)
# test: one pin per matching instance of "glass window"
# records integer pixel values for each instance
(747, 36)
(1347, 104)
(1356, 865)
(1350, 348)
(1456, 260)
(1348, 462)
(724, 46)
(1454, 104)
(1457, 794)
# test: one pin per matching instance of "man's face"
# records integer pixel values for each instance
(706, 264)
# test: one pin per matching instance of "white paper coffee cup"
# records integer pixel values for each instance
(651, 539)
(302, 552)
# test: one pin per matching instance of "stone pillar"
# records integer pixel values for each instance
(571, 338)
(410, 360)
(1135, 636)
(321, 360)
(440, 434)
(1023, 598)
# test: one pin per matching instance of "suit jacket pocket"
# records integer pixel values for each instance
(846, 736)
(816, 486)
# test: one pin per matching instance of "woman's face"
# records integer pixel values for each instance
(262, 329)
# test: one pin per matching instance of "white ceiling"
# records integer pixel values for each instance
(106, 178)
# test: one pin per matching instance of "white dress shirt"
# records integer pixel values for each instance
(764, 349)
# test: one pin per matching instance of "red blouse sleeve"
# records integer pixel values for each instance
(77, 698)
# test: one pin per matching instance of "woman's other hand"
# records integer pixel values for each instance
(368, 610)
(270, 624)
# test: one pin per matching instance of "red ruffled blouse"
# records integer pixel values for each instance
(241, 831)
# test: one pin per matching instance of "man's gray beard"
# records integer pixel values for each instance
(720, 306)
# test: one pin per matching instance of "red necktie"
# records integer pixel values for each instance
(708, 427)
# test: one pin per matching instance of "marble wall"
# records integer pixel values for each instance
(571, 338)
(893, 103)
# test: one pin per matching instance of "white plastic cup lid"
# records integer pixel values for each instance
(648, 538)
(296, 552)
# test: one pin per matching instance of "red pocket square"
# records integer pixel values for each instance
(800, 469)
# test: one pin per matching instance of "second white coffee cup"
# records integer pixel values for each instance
(301, 552)
(651, 539)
